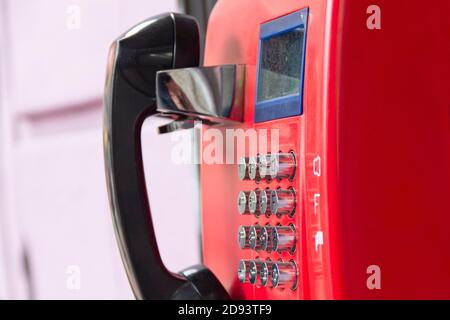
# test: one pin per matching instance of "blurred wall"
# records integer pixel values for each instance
(56, 235)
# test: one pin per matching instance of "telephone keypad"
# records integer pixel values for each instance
(277, 206)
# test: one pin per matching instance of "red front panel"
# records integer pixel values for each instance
(372, 146)
(237, 43)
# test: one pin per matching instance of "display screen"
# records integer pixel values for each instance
(280, 65)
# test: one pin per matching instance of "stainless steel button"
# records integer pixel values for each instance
(243, 237)
(253, 205)
(254, 237)
(282, 202)
(266, 238)
(244, 271)
(282, 166)
(283, 238)
(253, 171)
(242, 202)
(284, 275)
(255, 272)
(264, 165)
(243, 171)
(264, 272)
(264, 201)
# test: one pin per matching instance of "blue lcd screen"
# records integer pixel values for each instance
(280, 67)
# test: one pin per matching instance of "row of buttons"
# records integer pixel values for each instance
(267, 273)
(267, 238)
(268, 167)
(277, 202)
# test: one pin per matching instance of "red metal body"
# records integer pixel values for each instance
(377, 113)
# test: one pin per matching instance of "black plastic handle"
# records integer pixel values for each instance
(163, 42)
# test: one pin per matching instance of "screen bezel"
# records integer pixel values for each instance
(289, 105)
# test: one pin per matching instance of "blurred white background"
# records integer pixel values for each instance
(56, 234)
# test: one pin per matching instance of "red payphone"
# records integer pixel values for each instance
(352, 199)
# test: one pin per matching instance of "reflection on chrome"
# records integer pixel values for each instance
(208, 93)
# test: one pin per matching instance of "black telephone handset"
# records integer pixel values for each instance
(167, 41)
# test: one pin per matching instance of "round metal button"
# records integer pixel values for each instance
(243, 237)
(253, 202)
(242, 202)
(263, 201)
(243, 169)
(264, 272)
(253, 272)
(243, 271)
(282, 202)
(253, 168)
(284, 275)
(254, 237)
